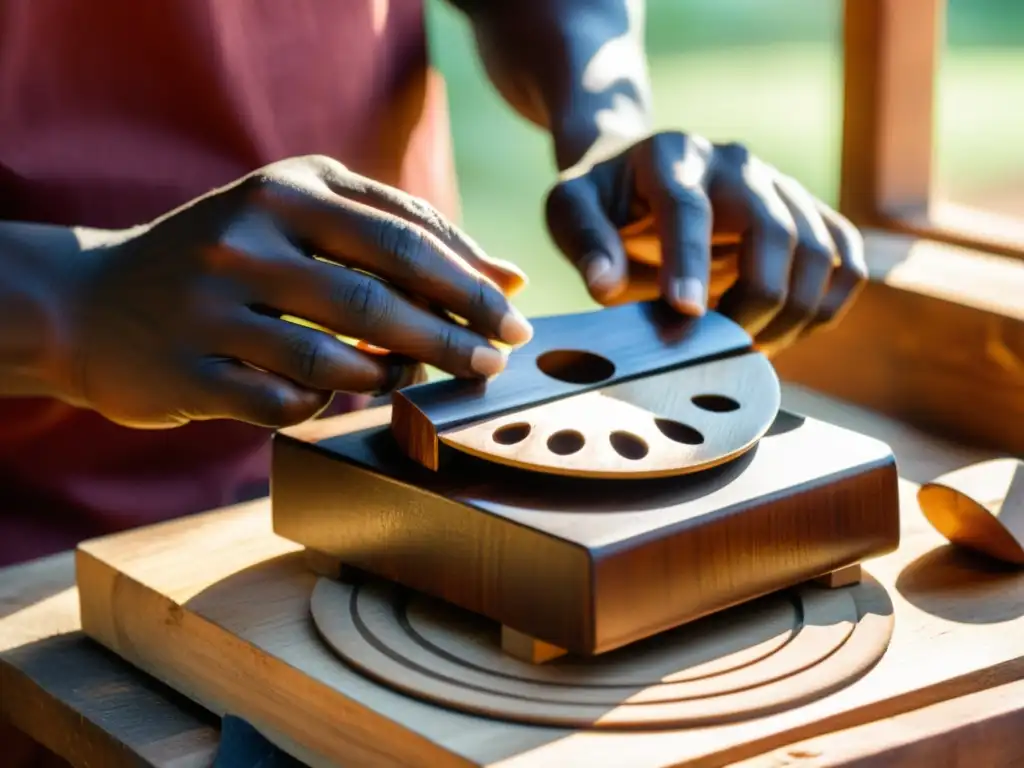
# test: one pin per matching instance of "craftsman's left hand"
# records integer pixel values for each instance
(642, 224)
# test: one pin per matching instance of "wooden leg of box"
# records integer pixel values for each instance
(323, 564)
(526, 648)
(330, 567)
(844, 577)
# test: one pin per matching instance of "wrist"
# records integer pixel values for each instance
(42, 267)
(584, 138)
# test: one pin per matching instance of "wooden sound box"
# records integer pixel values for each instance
(629, 473)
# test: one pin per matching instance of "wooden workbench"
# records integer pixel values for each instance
(89, 707)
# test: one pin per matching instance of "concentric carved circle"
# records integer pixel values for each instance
(765, 656)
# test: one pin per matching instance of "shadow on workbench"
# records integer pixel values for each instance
(950, 582)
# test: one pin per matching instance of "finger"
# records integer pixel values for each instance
(814, 259)
(361, 306)
(397, 250)
(506, 275)
(233, 390)
(671, 178)
(746, 187)
(306, 356)
(586, 237)
(849, 277)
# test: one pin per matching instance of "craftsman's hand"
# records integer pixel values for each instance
(180, 319)
(642, 225)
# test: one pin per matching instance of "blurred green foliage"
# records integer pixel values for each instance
(764, 72)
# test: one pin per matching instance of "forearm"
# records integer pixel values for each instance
(37, 263)
(575, 67)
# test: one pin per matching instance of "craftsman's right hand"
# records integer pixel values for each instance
(180, 319)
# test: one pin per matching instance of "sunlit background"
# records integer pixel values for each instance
(764, 72)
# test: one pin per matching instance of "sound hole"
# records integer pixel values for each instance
(565, 442)
(511, 434)
(575, 366)
(628, 446)
(715, 403)
(679, 433)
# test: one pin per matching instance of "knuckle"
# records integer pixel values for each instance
(275, 406)
(367, 299)
(408, 246)
(819, 254)
(778, 232)
(733, 153)
(448, 344)
(690, 200)
(318, 163)
(285, 406)
(766, 296)
(308, 356)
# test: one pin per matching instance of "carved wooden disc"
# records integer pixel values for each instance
(657, 426)
(758, 658)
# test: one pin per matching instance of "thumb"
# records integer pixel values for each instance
(587, 238)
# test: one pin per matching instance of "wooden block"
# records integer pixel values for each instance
(980, 507)
(324, 565)
(568, 355)
(527, 648)
(630, 558)
(75, 698)
(843, 577)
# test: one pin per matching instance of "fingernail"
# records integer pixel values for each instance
(598, 273)
(688, 295)
(487, 361)
(514, 328)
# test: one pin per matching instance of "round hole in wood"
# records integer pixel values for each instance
(678, 432)
(565, 442)
(715, 403)
(628, 445)
(510, 434)
(575, 366)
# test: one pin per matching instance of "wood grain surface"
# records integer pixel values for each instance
(218, 607)
(630, 557)
(76, 698)
(979, 728)
(568, 355)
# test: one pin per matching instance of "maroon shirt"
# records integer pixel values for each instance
(112, 112)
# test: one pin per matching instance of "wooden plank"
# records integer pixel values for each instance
(77, 699)
(218, 607)
(936, 339)
(979, 729)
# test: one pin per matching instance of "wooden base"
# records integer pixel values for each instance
(630, 558)
(219, 608)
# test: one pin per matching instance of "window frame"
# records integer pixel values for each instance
(892, 51)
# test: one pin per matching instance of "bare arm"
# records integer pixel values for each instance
(575, 67)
